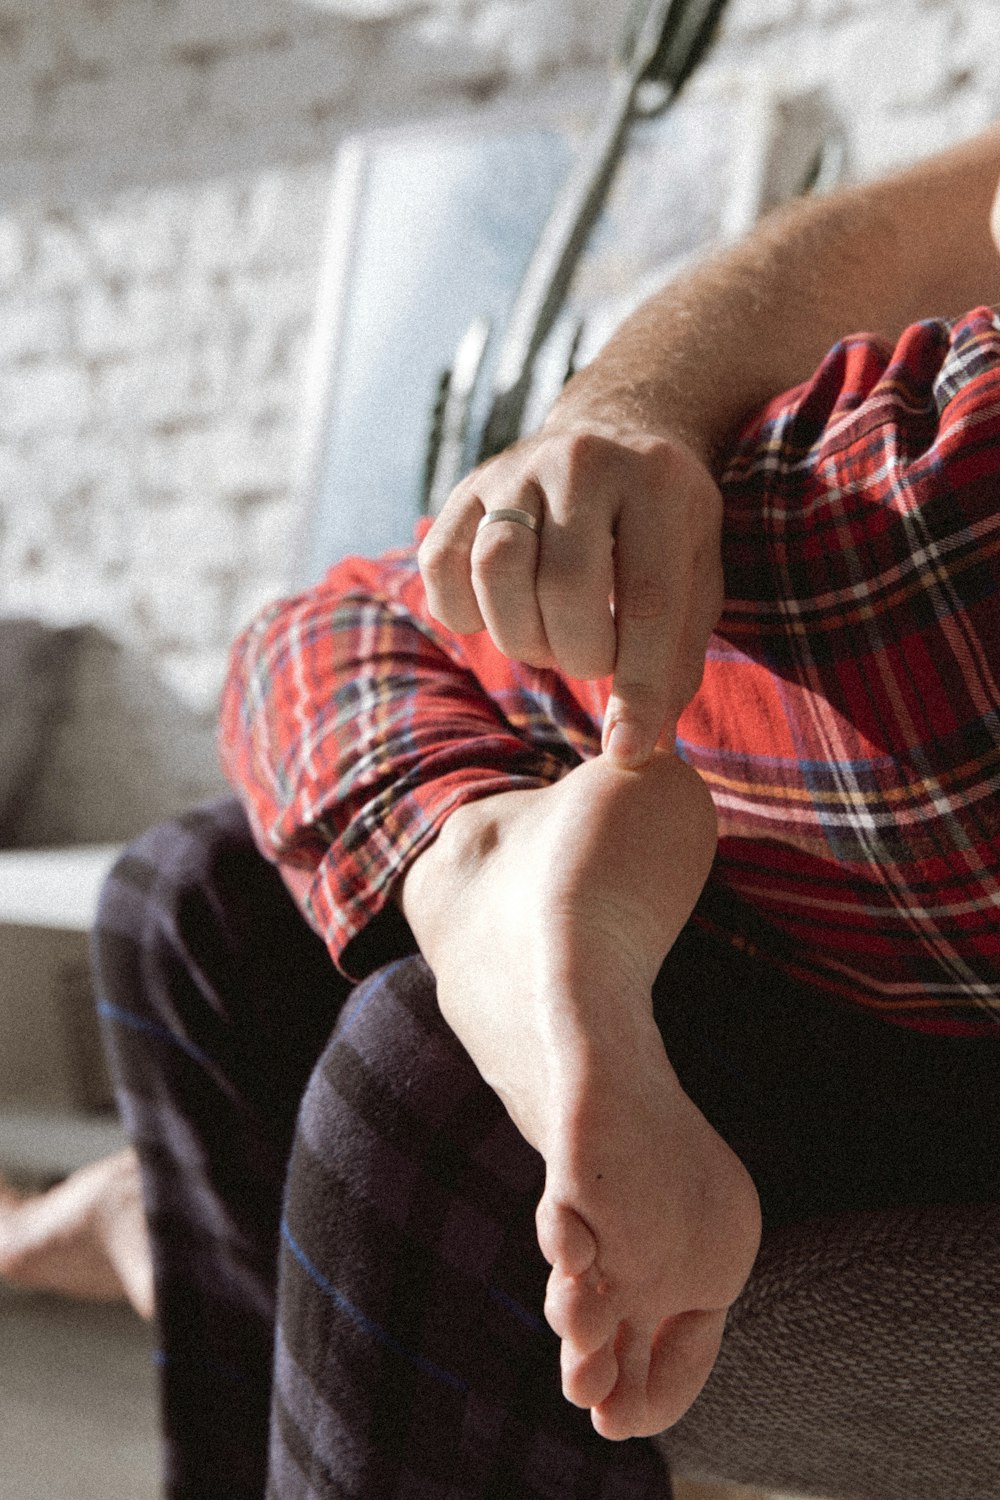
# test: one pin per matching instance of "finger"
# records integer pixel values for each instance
(443, 558)
(650, 600)
(698, 617)
(668, 571)
(701, 616)
(504, 566)
(574, 586)
(582, 483)
(588, 1379)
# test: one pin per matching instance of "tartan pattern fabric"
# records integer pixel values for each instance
(847, 724)
(378, 1232)
(215, 1000)
(412, 1357)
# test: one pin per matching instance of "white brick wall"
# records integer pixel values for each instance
(164, 166)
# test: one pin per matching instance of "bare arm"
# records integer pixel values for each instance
(620, 475)
(700, 356)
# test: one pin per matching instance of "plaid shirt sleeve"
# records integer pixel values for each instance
(848, 724)
(353, 725)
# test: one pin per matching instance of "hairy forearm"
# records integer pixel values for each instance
(755, 319)
(621, 478)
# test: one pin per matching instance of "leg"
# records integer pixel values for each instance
(412, 1355)
(216, 1000)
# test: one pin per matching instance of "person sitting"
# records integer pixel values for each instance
(703, 882)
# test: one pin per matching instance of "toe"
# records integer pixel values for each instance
(624, 1413)
(588, 1379)
(581, 1309)
(684, 1350)
(564, 1238)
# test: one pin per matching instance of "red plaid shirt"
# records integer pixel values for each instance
(848, 724)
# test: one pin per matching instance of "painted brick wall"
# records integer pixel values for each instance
(164, 168)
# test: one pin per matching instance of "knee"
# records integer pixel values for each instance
(199, 946)
(169, 898)
(158, 875)
(400, 1147)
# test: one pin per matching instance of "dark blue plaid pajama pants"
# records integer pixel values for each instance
(348, 1287)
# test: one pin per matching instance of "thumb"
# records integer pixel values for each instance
(629, 739)
(650, 605)
(668, 592)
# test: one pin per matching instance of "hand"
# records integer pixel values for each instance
(624, 576)
(545, 916)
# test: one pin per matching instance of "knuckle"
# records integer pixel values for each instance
(585, 452)
(643, 599)
(433, 554)
(500, 550)
(590, 666)
(587, 659)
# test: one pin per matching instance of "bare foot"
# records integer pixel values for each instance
(545, 916)
(86, 1237)
(651, 1226)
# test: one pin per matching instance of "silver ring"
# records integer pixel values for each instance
(510, 513)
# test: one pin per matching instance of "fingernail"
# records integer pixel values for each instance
(628, 745)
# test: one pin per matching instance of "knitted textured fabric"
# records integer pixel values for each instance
(860, 1363)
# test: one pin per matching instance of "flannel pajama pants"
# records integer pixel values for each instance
(349, 1293)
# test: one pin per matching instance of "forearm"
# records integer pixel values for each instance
(755, 319)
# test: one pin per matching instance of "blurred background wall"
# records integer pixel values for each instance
(164, 174)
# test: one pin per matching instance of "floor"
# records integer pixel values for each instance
(77, 1402)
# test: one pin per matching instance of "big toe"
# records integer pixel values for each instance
(565, 1239)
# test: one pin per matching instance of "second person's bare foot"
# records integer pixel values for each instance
(86, 1237)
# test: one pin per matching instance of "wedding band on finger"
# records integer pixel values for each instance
(510, 513)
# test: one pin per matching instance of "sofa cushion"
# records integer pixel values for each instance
(859, 1362)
